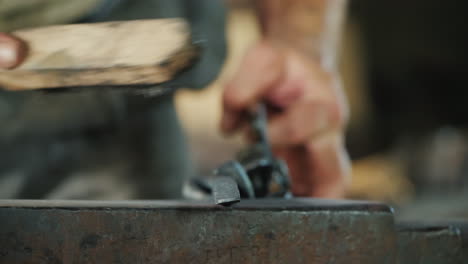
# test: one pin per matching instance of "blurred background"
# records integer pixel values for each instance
(404, 65)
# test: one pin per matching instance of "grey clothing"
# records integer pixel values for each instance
(106, 143)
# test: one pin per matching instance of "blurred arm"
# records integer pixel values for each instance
(293, 68)
(310, 26)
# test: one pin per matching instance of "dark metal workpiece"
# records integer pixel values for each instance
(235, 170)
(252, 231)
(256, 171)
(224, 190)
(268, 175)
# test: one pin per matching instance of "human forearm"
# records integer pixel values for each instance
(310, 26)
(293, 69)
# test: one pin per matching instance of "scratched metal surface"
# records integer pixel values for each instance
(299, 231)
(430, 244)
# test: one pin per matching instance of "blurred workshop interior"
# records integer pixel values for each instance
(403, 65)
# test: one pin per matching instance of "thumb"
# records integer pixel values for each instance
(12, 51)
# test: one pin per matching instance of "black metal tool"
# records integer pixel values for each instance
(227, 184)
(268, 175)
(224, 190)
(257, 172)
(237, 172)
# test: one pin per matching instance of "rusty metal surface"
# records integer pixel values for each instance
(272, 231)
(430, 244)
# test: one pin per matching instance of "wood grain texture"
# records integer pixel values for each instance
(102, 54)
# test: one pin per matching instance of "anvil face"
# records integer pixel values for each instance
(252, 231)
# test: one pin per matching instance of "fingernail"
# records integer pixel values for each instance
(8, 55)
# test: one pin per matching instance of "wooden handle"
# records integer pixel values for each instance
(102, 54)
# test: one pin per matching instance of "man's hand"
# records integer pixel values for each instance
(307, 128)
(12, 51)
